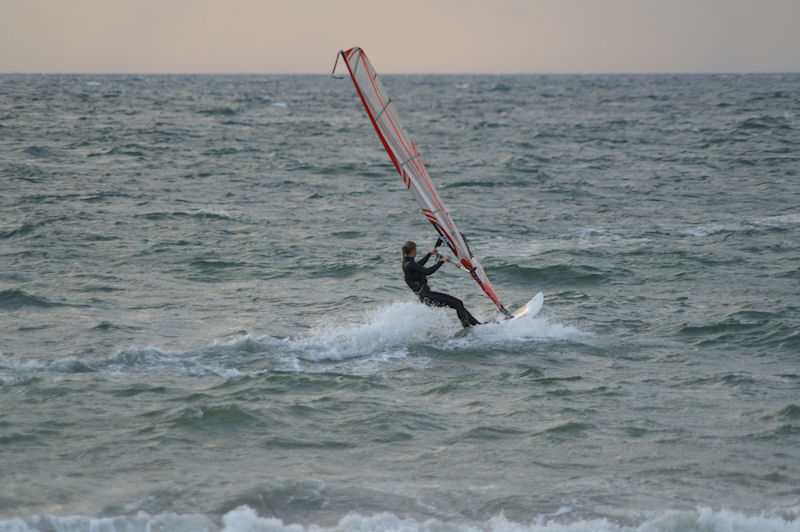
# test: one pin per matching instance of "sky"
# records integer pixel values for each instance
(401, 36)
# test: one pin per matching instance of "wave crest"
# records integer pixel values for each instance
(245, 518)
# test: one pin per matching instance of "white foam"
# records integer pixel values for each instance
(245, 519)
(8, 364)
(778, 222)
(782, 220)
(706, 519)
(378, 336)
(518, 331)
(702, 520)
(581, 240)
(215, 214)
(140, 522)
(390, 332)
(385, 332)
(195, 362)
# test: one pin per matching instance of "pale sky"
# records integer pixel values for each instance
(401, 36)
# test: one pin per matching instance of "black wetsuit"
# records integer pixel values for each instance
(416, 278)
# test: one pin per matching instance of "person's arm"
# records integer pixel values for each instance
(434, 251)
(432, 269)
(418, 266)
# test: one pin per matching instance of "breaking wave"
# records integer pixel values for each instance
(396, 331)
(245, 519)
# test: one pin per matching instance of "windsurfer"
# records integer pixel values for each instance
(416, 278)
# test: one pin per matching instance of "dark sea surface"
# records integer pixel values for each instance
(204, 325)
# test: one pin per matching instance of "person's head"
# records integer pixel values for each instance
(409, 249)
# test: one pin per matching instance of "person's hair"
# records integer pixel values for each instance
(409, 248)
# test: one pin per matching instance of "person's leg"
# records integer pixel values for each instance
(440, 299)
(472, 319)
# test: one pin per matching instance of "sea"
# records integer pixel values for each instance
(204, 324)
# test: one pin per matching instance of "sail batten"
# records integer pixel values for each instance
(408, 163)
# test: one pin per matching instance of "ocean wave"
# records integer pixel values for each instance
(765, 122)
(130, 150)
(150, 357)
(402, 330)
(222, 358)
(245, 518)
(22, 230)
(211, 266)
(749, 328)
(778, 221)
(107, 326)
(585, 239)
(17, 299)
(574, 274)
(765, 223)
(142, 522)
(219, 111)
(210, 213)
(226, 418)
(227, 359)
(41, 152)
(377, 336)
(790, 412)
(71, 365)
(201, 214)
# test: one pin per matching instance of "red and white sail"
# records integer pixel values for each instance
(409, 164)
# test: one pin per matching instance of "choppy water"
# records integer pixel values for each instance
(203, 323)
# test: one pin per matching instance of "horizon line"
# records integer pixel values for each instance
(621, 73)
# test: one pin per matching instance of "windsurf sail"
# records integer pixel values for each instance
(409, 165)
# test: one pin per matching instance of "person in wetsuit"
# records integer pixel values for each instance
(416, 278)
